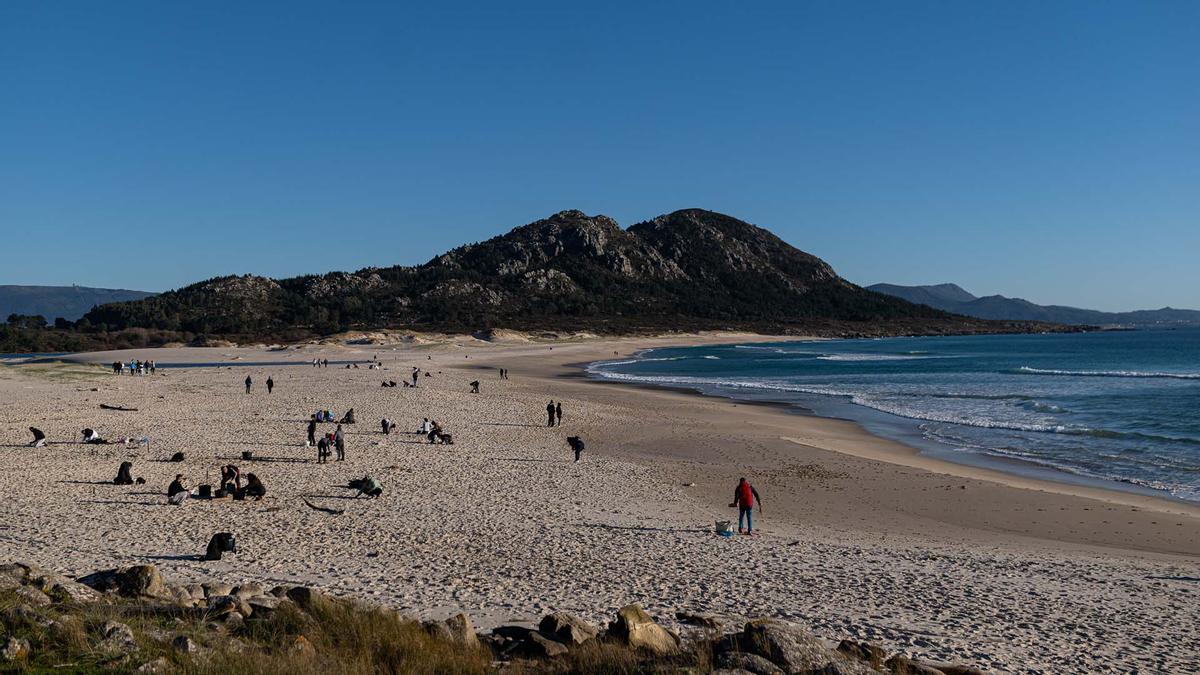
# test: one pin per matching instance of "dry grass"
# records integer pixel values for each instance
(56, 371)
(337, 638)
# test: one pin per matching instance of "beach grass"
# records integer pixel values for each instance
(55, 371)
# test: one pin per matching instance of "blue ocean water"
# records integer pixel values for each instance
(1119, 407)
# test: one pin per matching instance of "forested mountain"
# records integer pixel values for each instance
(53, 302)
(687, 270)
(952, 298)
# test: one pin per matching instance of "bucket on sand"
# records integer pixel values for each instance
(725, 528)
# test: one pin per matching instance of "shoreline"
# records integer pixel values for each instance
(1018, 469)
(807, 434)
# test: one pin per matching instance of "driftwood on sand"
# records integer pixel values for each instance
(106, 406)
(336, 512)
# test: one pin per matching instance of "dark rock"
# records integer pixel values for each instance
(902, 665)
(539, 646)
(184, 645)
(794, 649)
(221, 606)
(567, 628)
(132, 582)
(702, 620)
(306, 597)
(870, 654)
(751, 663)
(264, 606)
(524, 642)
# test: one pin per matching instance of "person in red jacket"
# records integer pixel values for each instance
(744, 496)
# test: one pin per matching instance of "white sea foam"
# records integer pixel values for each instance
(873, 357)
(1106, 373)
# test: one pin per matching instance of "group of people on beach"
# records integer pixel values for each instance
(250, 486)
(250, 383)
(136, 367)
(231, 486)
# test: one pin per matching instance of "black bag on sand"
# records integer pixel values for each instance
(221, 542)
(177, 457)
(204, 492)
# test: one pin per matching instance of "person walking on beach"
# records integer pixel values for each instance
(323, 450)
(248, 383)
(744, 496)
(550, 414)
(270, 384)
(312, 430)
(475, 387)
(558, 412)
(339, 442)
(415, 374)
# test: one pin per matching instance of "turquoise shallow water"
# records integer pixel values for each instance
(1120, 407)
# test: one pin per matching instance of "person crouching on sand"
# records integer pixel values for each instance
(178, 492)
(744, 496)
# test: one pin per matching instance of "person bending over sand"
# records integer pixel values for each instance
(576, 444)
(367, 486)
(744, 496)
(254, 488)
(91, 437)
(39, 438)
(388, 426)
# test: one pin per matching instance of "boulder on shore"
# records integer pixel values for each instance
(634, 628)
(567, 628)
(139, 581)
(794, 649)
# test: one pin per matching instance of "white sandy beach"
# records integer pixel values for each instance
(860, 537)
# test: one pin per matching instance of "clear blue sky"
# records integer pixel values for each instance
(1049, 150)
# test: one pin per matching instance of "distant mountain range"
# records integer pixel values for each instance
(952, 298)
(67, 302)
(688, 270)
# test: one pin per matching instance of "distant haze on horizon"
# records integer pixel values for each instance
(1049, 151)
